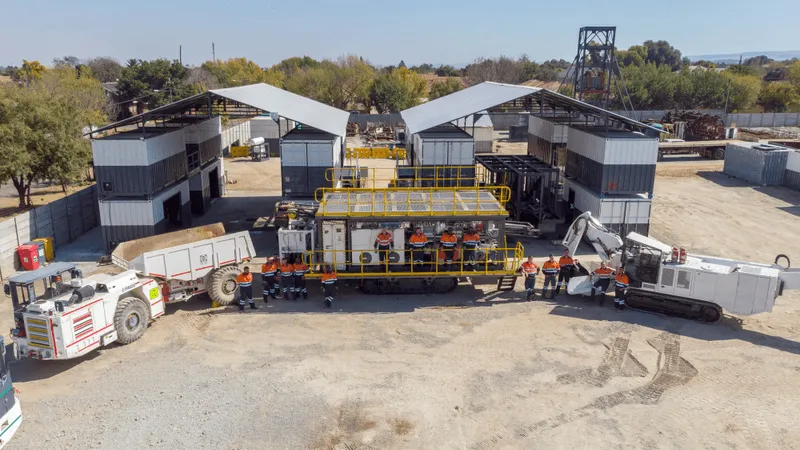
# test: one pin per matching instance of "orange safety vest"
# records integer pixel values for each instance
(530, 269)
(269, 268)
(622, 280)
(448, 240)
(245, 279)
(604, 272)
(384, 239)
(418, 241)
(566, 261)
(328, 278)
(550, 268)
(300, 269)
(471, 240)
(287, 270)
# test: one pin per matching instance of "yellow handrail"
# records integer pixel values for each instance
(458, 179)
(499, 261)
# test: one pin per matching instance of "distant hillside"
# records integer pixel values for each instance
(733, 58)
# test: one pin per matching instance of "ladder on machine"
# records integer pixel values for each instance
(506, 282)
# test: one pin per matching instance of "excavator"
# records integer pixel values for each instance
(667, 280)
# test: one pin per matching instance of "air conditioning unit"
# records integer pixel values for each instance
(362, 242)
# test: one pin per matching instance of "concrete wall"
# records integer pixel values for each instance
(64, 220)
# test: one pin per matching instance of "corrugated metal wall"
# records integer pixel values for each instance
(203, 131)
(632, 210)
(503, 121)
(237, 134)
(610, 179)
(443, 152)
(764, 168)
(140, 180)
(119, 152)
(164, 146)
(614, 149)
(64, 220)
(551, 131)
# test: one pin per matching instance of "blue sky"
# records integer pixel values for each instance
(437, 31)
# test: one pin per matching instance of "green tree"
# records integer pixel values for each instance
(424, 68)
(105, 68)
(744, 91)
(706, 64)
(447, 71)
(794, 75)
(778, 97)
(446, 87)
(29, 72)
(634, 56)
(41, 126)
(398, 90)
(241, 72)
(154, 83)
(742, 69)
(296, 64)
(340, 84)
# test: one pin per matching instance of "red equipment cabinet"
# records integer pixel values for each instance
(28, 256)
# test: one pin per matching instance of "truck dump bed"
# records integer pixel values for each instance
(186, 254)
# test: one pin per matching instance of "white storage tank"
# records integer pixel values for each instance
(621, 213)
(306, 157)
(127, 219)
(546, 135)
(612, 162)
(792, 176)
(760, 164)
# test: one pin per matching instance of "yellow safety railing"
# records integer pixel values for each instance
(375, 153)
(386, 202)
(436, 175)
(347, 264)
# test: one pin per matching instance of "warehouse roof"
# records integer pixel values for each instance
(289, 105)
(488, 95)
(262, 97)
(480, 119)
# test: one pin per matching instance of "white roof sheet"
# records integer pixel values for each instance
(291, 106)
(462, 103)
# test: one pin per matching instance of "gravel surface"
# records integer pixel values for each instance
(469, 370)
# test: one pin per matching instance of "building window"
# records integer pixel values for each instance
(192, 156)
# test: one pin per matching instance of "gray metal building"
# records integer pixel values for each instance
(760, 164)
(154, 169)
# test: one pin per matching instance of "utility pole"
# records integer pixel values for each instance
(213, 53)
(180, 54)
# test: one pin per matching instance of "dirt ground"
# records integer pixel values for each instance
(41, 194)
(470, 370)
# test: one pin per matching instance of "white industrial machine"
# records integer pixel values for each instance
(362, 242)
(10, 409)
(667, 279)
(60, 315)
(291, 242)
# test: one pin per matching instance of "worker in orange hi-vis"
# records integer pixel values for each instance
(418, 241)
(550, 269)
(621, 288)
(287, 279)
(328, 285)
(471, 240)
(448, 241)
(383, 243)
(245, 282)
(529, 270)
(603, 276)
(300, 271)
(566, 264)
(269, 270)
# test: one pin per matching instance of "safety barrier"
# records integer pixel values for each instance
(376, 153)
(498, 261)
(413, 201)
(240, 151)
(435, 175)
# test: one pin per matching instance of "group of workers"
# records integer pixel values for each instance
(558, 274)
(418, 242)
(292, 284)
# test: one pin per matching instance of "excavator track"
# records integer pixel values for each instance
(673, 306)
(405, 286)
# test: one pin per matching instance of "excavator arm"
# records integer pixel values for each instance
(606, 243)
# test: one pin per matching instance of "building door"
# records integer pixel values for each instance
(213, 183)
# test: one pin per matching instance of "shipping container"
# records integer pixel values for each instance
(306, 156)
(613, 162)
(791, 177)
(760, 164)
(145, 161)
(432, 176)
(444, 146)
(621, 213)
(127, 219)
(264, 126)
(547, 139)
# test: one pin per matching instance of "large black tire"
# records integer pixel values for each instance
(131, 319)
(223, 285)
(718, 153)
